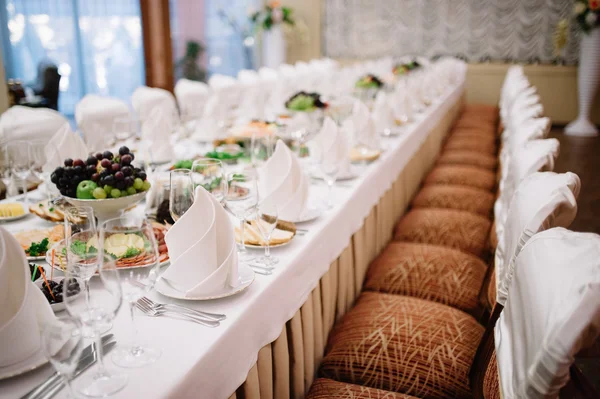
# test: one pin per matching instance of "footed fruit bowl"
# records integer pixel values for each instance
(108, 208)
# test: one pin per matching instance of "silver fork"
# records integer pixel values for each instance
(147, 310)
(175, 307)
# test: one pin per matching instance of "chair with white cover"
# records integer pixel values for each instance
(96, 115)
(146, 100)
(552, 312)
(24, 123)
(191, 98)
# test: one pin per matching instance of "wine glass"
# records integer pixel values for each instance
(210, 174)
(39, 153)
(123, 239)
(181, 196)
(62, 342)
(5, 169)
(20, 164)
(329, 168)
(266, 220)
(241, 200)
(95, 311)
(261, 147)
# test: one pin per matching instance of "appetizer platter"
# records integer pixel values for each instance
(12, 211)
(36, 243)
(282, 235)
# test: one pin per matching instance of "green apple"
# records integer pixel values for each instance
(85, 189)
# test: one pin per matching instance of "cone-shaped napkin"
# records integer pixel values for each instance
(202, 249)
(383, 114)
(282, 181)
(331, 146)
(365, 132)
(64, 144)
(24, 308)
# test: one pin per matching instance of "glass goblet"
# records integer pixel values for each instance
(241, 200)
(20, 163)
(181, 196)
(266, 221)
(210, 174)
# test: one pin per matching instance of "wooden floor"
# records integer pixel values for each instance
(581, 155)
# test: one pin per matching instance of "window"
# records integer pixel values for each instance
(97, 45)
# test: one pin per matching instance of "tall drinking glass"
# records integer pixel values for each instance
(210, 174)
(5, 169)
(241, 200)
(39, 153)
(181, 196)
(20, 163)
(126, 239)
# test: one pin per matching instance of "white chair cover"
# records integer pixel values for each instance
(542, 201)
(24, 123)
(145, 99)
(191, 98)
(95, 116)
(552, 312)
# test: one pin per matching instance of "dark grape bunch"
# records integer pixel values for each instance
(101, 176)
(58, 290)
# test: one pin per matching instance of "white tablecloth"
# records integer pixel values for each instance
(211, 363)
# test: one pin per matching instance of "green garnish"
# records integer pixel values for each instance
(41, 205)
(38, 248)
(223, 155)
(78, 248)
(51, 209)
(183, 164)
(131, 252)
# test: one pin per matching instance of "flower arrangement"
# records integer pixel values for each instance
(587, 14)
(271, 15)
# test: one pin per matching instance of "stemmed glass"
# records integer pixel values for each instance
(62, 342)
(241, 200)
(5, 169)
(125, 238)
(210, 174)
(20, 163)
(181, 196)
(261, 148)
(266, 220)
(95, 311)
(39, 153)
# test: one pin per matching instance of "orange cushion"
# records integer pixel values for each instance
(455, 197)
(468, 158)
(324, 388)
(404, 344)
(468, 144)
(463, 176)
(491, 385)
(482, 109)
(476, 123)
(473, 134)
(461, 230)
(429, 272)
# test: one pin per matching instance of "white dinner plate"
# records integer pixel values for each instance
(14, 218)
(308, 215)
(31, 363)
(246, 276)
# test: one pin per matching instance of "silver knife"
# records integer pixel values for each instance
(60, 384)
(87, 351)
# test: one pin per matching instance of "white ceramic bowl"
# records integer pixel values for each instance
(108, 208)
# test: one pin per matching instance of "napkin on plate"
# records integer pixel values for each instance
(383, 115)
(363, 127)
(202, 248)
(331, 146)
(156, 138)
(282, 181)
(64, 144)
(95, 116)
(24, 308)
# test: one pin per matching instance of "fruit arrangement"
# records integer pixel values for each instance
(54, 291)
(369, 82)
(305, 102)
(103, 175)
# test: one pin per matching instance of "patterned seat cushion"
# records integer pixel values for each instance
(468, 158)
(324, 388)
(455, 197)
(491, 385)
(461, 175)
(429, 272)
(461, 230)
(404, 344)
(467, 144)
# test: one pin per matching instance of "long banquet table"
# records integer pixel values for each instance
(274, 337)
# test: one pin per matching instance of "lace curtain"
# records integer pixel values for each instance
(475, 30)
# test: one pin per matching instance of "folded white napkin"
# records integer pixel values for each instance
(95, 116)
(331, 146)
(146, 100)
(24, 308)
(202, 248)
(24, 123)
(282, 181)
(383, 114)
(191, 97)
(156, 138)
(363, 126)
(64, 144)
